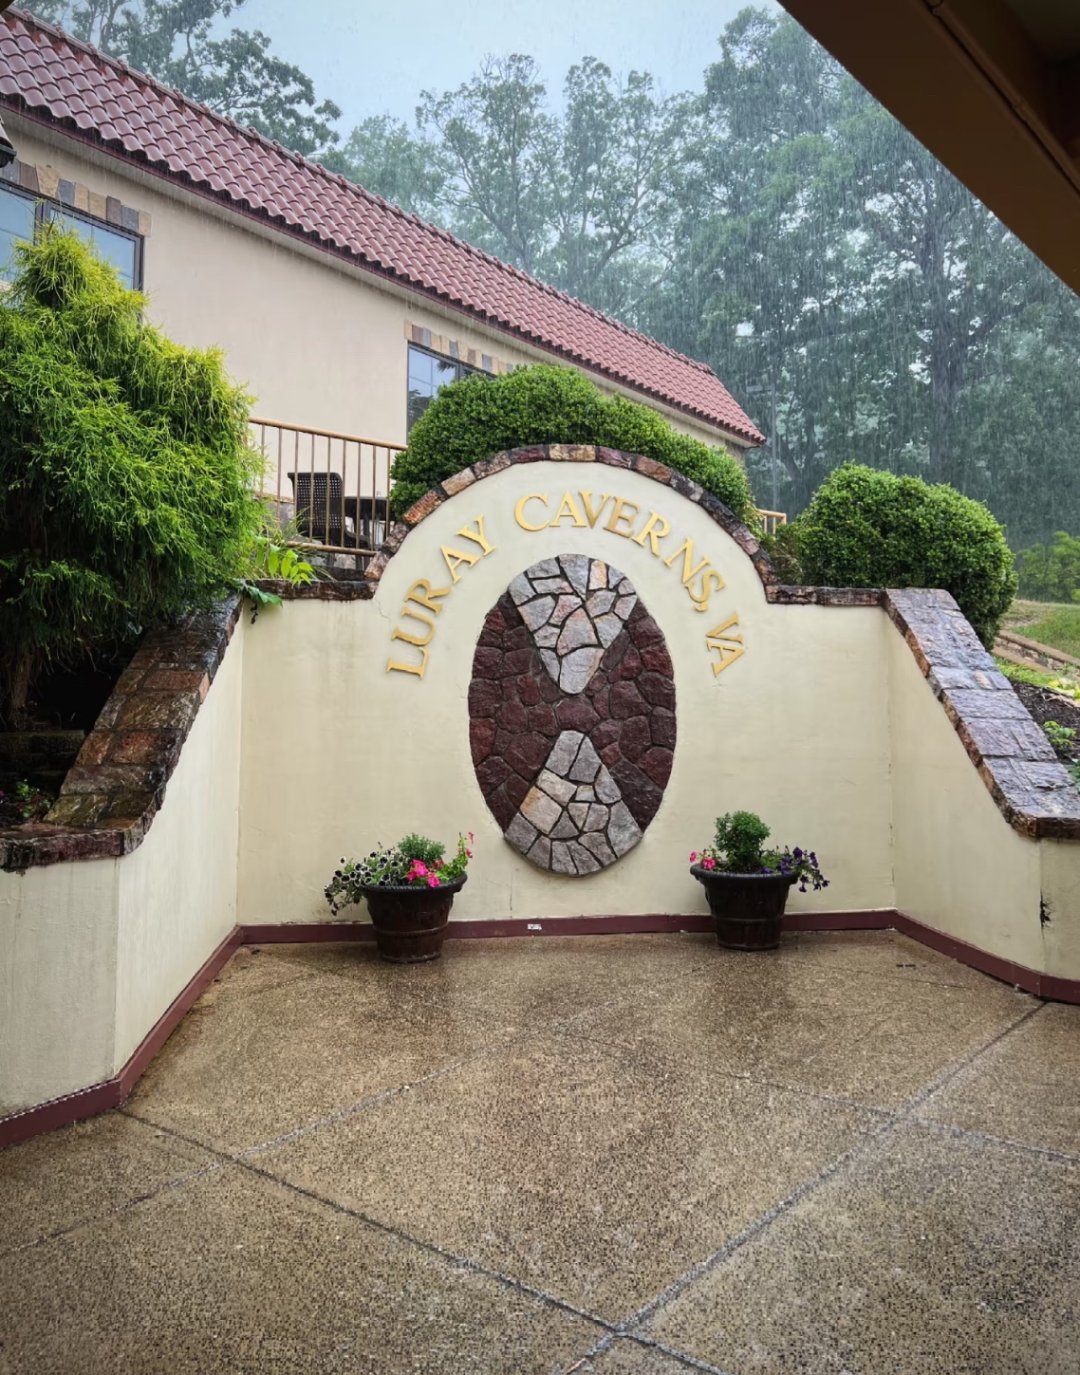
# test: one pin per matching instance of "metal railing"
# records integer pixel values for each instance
(334, 486)
(772, 520)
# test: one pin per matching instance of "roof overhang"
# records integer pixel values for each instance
(991, 87)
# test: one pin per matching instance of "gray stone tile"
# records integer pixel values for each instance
(928, 1254)
(65, 1177)
(1026, 1088)
(596, 1174)
(233, 1273)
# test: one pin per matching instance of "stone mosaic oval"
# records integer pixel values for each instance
(572, 714)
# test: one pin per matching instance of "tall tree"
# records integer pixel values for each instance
(842, 280)
(575, 196)
(236, 75)
(386, 158)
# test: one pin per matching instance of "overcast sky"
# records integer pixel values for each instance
(373, 57)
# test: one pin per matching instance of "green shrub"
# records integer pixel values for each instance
(480, 415)
(126, 477)
(782, 547)
(1051, 573)
(865, 528)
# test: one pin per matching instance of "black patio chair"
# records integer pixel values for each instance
(320, 509)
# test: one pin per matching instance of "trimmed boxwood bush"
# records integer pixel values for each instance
(126, 476)
(480, 415)
(865, 528)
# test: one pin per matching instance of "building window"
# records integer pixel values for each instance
(17, 216)
(428, 372)
(19, 213)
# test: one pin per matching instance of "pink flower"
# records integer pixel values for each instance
(432, 880)
(693, 856)
(708, 862)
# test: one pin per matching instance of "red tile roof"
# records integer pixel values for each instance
(55, 78)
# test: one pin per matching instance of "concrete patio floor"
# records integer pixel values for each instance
(608, 1156)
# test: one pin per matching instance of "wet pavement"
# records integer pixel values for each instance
(628, 1155)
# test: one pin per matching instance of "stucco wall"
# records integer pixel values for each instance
(797, 728)
(57, 980)
(92, 953)
(960, 866)
(315, 342)
(177, 891)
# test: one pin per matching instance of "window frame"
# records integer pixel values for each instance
(47, 208)
(446, 359)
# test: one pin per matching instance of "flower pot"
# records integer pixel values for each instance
(747, 909)
(410, 921)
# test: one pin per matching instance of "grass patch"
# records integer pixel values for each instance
(1057, 625)
(1040, 677)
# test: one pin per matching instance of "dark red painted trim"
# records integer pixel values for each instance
(177, 1010)
(879, 919)
(1049, 986)
(73, 1107)
(875, 919)
(298, 932)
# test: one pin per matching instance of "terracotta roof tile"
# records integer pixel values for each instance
(56, 78)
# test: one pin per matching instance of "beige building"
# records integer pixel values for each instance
(337, 310)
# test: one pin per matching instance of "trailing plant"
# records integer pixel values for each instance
(23, 803)
(739, 848)
(866, 528)
(126, 475)
(414, 861)
(274, 557)
(480, 415)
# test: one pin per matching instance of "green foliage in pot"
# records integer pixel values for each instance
(126, 475)
(739, 848)
(415, 861)
(867, 528)
(481, 415)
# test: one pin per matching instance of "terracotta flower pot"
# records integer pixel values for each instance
(410, 921)
(747, 909)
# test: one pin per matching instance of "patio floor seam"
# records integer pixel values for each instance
(94, 1219)
(811, 1185)
(224, 1159)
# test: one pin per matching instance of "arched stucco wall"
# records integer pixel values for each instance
(795, 726)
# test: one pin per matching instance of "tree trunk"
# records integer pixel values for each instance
(17, 673)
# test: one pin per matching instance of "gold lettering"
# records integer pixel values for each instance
(412, 639)
(649, 532)
(477, 536)
(591, 515)
(454, 558)
(568, 508)
(701, 599)
(519, 511)
(423, 594)
(727, 642)
(622, 510)
(392, 666)
(689, 572)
